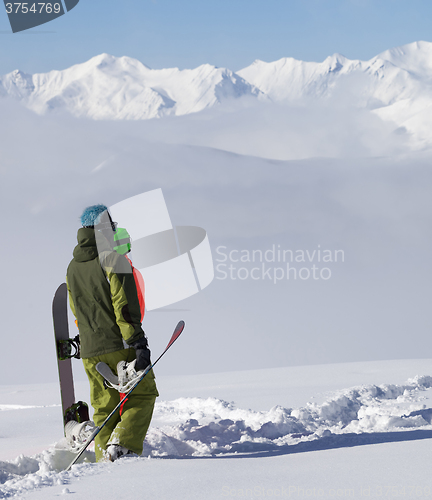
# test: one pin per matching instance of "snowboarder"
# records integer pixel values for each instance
(105, 300)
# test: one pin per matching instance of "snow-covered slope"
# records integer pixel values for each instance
(416, 58)
(340, 441)
(108, 87)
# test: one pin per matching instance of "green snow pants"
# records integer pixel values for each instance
(129, 428)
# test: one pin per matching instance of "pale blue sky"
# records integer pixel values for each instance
(228, 33)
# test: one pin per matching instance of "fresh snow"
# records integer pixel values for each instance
(368, 439)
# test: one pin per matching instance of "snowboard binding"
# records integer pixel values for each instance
(77, 434)
(78, 412)
(69, 348)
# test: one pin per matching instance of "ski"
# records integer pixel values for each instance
(176, 334)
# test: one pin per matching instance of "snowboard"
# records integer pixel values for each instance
(66, 349)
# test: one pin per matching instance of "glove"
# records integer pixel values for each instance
(142, 354)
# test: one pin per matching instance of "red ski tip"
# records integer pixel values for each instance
(180, 326)
(177, 331)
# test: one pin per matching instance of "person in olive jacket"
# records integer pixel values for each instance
(103, 297)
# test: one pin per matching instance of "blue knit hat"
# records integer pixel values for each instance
(91, 214)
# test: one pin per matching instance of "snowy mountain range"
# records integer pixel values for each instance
(108, 87)
(396, 85)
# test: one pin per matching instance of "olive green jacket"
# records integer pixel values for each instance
(102, 296)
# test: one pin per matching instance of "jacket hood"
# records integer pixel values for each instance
(86, 249)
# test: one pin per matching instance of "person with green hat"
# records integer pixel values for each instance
(105, 299)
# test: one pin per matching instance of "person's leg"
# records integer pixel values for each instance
(128, 427)
(136, 416)
(103, 402)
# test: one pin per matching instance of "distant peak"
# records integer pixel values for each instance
(336, 57)
(17, 74)
(132, 61)
(335, 62)
(100, 60)
(280, 62)
(406, 50)
(418, 45)
(102, 57)
(207, 66)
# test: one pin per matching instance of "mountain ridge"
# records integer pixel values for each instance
(396, 85)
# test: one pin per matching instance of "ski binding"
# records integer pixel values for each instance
(126, 378)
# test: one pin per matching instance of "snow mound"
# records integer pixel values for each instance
(199, 427)
(45, 469)
(211, 426)
(25, 473)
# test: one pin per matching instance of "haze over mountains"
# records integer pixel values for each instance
(396, 85)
